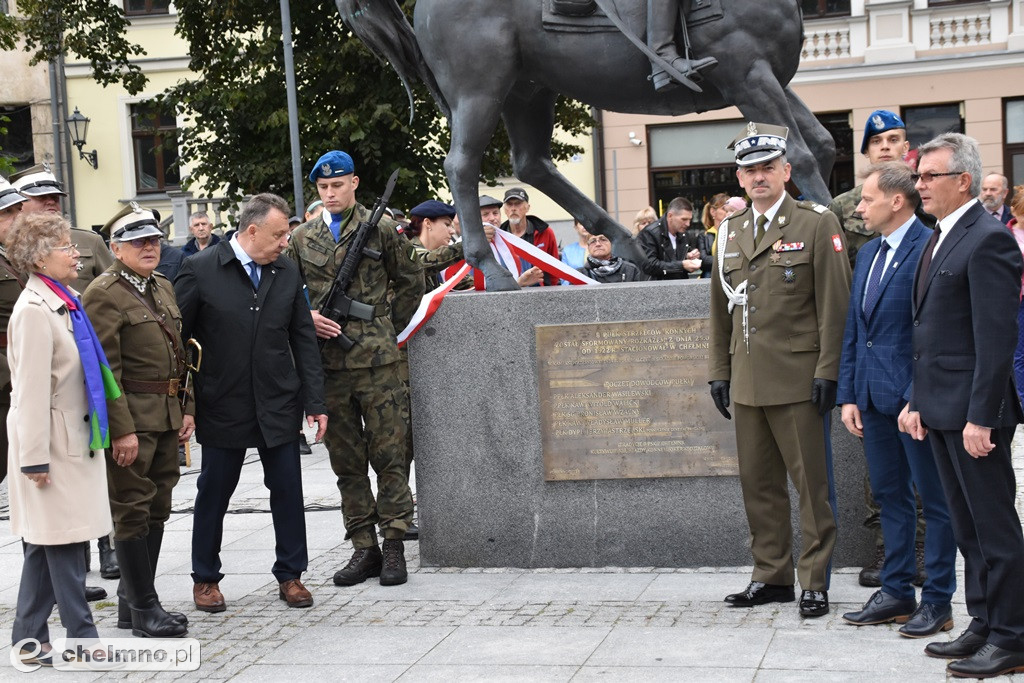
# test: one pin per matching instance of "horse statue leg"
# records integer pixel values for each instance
(763, 99)
(530, 122)
(473, 123)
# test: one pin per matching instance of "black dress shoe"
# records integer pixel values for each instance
(987, 662)
(965, 645)
(929, 619)
(94, 593)
(814, 603)
(871, 575)
(304, 448)
(881, 608)
(758, 593)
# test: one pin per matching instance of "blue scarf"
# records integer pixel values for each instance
(100, 385)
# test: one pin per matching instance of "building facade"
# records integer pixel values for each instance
(945, 65)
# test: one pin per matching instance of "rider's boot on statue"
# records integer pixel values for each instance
(662, 19)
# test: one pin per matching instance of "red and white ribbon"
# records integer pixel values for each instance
(511, 249)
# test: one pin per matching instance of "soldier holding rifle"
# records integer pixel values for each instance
(364, 389)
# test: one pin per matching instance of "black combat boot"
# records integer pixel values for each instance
(662, 20)
(148, 618)
(124, 614)
(365, 563)
(393, 573)
(108, 559)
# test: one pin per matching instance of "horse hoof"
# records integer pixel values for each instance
(501, 282)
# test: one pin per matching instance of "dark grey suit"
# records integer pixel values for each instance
(965, 332)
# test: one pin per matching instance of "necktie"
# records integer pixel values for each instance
(875, 280)
(254, 274)
(926, 263)
(762, 228)
(335, 226)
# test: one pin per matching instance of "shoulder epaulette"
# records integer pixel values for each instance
(813, 206)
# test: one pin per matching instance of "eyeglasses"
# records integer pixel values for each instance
(67, 249)
(140, 242)
(927, 177)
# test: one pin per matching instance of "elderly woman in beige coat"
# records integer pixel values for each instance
(57, 475)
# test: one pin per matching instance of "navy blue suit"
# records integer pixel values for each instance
(965, 332)
(875, 373)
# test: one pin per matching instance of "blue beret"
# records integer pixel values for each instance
(334, 164)
(880, 121)
(433, 209)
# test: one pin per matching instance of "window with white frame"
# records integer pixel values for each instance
(154, 148)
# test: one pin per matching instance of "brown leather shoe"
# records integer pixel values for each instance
(208, 597)
(295, 594)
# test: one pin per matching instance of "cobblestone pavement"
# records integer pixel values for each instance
(482, 624)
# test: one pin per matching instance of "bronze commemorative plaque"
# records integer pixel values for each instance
(630, 400)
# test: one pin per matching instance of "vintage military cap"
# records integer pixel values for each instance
(880, 121)
(487, 200)
(516, 193)
(759, 143)
(433, 209)
(334, 164)
(8, 195)
(37, 182)
(132, 222)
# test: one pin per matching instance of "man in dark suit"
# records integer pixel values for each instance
(671, 251)
(994, 189)
(966, 294)
(243, 302)
(874, 385)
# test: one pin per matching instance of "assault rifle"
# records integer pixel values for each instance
(338, 305)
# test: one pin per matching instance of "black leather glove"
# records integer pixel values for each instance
(720, 395)
(823, 395)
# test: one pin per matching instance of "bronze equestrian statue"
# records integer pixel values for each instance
(533, 55)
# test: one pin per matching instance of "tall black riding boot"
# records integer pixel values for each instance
(662, 21)
(108, 559)
(124, 614)
(149, 620)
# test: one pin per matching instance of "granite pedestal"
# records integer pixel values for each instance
(481, 493)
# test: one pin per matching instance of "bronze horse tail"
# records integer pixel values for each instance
(383, 27)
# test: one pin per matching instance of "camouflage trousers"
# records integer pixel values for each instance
(367, 428)
(140, 494)
(403, 372)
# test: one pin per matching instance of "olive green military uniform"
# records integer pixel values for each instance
(434, 261)
(366, 396)
(10, 289)
(145, 363)
(798, 289)
(94, 257)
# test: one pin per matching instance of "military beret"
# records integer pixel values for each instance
(334, 164)
(312, 206)
(132, 222)
(37, 182)
(516, 193)
(433, 209)
(759, 143)
(8, 195)
(487, 200)
(880, 121)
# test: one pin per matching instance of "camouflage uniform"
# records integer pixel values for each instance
(434, 261)
(10, 289)
(365, 393)
(845, 208)
(142, 358)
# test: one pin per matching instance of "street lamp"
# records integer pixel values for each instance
(78, 127)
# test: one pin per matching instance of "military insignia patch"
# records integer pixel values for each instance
(774, 258)
(789, 276)
(782, 220)
(732, 235)
(837, 243)
(325, 169)
(877, 122)
(777, 245)
(790, 246)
